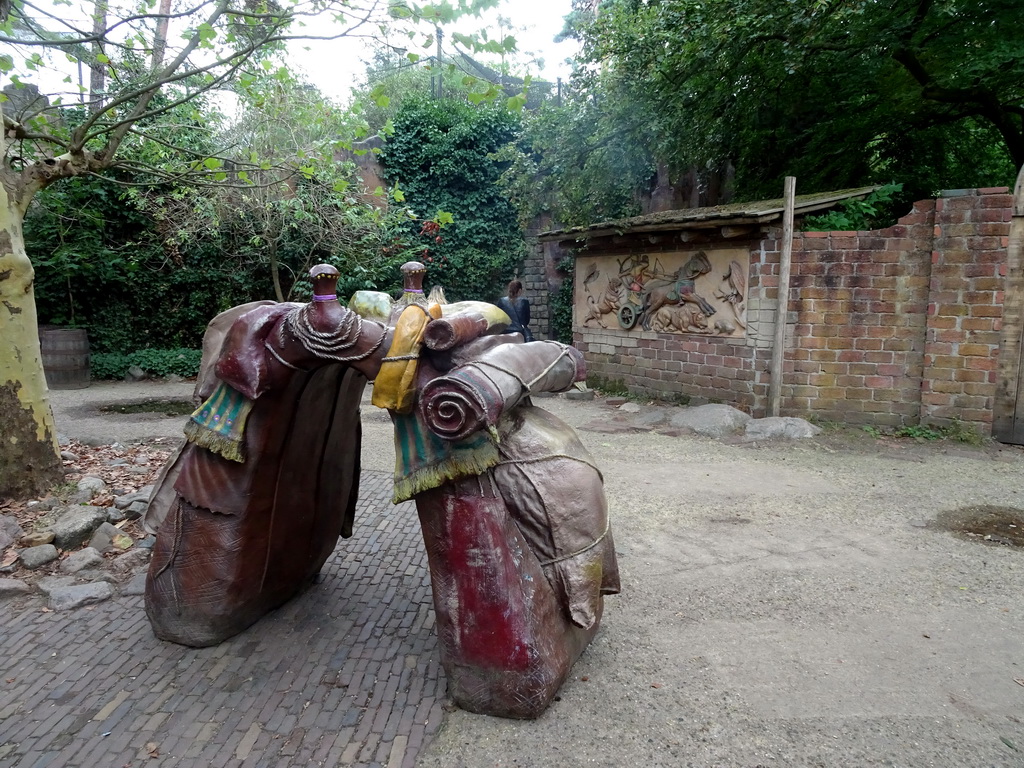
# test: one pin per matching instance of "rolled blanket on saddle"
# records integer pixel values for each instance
(462, 322)
(474, 395)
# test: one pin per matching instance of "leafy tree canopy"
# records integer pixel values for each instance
(835, 92)
(144, 62)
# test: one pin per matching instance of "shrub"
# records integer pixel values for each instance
(442, 157)
(873, 211)
(155, 362)
(561, 303)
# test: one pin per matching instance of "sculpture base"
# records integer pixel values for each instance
(204, 587)
(506, 643)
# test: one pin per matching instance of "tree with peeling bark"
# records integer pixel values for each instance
(152, 62)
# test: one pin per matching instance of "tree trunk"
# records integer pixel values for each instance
(98, 70)
(160, 42)
(29, 456)
(275, 271)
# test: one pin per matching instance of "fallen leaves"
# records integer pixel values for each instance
(137, 466)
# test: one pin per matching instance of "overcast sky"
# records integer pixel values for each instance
(335, 67)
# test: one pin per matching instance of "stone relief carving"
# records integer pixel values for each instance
(701, 292)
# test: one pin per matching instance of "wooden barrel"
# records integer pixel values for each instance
(65, 353)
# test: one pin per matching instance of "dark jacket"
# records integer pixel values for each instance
(519, 311)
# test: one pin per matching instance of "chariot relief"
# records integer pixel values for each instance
(701, 292)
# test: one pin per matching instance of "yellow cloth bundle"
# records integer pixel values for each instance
(394, 387)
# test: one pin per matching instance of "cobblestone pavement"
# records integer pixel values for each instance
(345, 674)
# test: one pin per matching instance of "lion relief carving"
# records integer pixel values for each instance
(608, 301)
(680, 318)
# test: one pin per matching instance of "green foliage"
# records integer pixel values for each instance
(610, 387)
(962, 433)
(155, 362)
(393, 78)
(80, 238)
(967, 154)
(126, 267)
(919, 432)
(956, 431)
(103, 263)
(580, 161)
(873, 212)
(149, 266)
(838, 94)
(442, 155)
(561, 302)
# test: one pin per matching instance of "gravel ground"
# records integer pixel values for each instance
(786, 604)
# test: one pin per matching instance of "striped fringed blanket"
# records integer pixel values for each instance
(423, 460)
(219, 423)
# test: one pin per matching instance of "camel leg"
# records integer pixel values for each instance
(506, 644)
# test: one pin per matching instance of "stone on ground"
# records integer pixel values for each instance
(37, 557)
(714, 420)
(76, 525)
(787, 427)
(82, 559)
(13, 588)
(78, 595)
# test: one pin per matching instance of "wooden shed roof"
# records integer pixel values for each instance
(733, 215)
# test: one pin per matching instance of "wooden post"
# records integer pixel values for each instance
(440, 88)
(779, 345)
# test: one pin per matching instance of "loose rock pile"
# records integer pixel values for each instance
(85, 545)
(722, 422)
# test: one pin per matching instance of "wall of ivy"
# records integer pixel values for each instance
(441, 156)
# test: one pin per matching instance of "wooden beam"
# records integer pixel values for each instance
(779, 344)
(732, 231)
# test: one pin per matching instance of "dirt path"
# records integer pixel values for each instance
(789, 604)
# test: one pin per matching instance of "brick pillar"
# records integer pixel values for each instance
(540, 276)
(965, 306)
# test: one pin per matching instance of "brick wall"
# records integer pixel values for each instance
(858, 344)
(666, 365)
(965, 305)
(533, 275)
(540, 276)
(890, 327)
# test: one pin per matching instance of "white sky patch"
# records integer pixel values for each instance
(336, 66)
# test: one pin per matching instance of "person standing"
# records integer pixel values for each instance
(517, 307)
